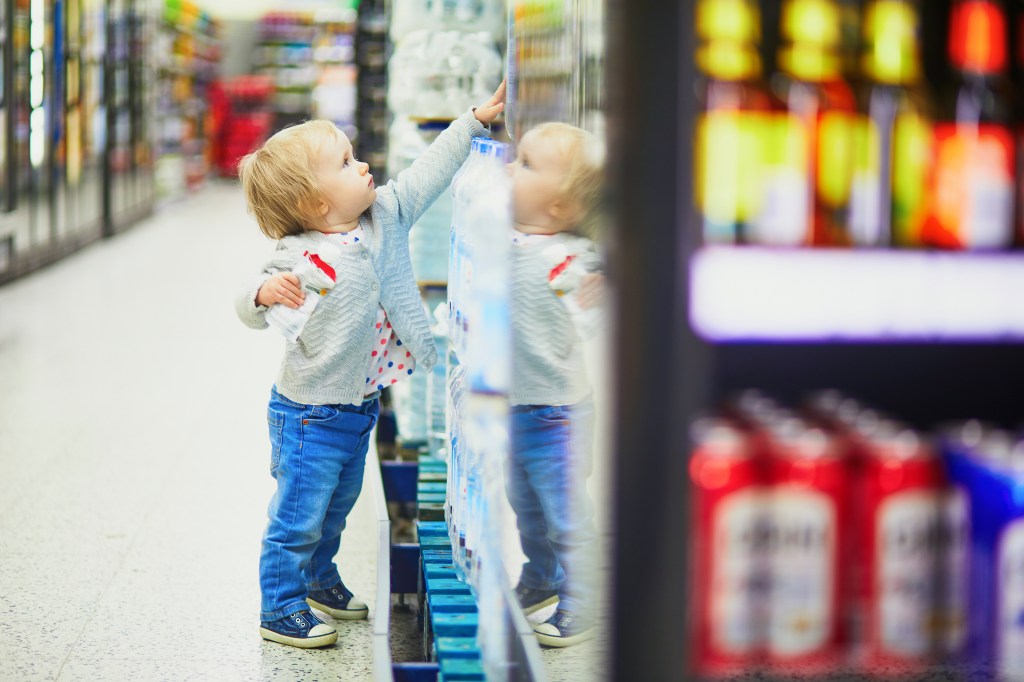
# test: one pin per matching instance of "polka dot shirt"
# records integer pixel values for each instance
(389, 361)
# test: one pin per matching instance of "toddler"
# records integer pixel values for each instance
(556, 180)
(368, 330)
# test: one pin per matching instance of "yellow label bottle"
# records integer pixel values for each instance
(730, 136)
(894, 140)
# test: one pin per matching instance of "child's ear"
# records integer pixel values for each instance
(309, 207)
(564, 210)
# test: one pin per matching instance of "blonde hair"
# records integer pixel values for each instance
(584, 177)
(279, 179)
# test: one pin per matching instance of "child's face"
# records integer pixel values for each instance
(347, 184)
(539, 204)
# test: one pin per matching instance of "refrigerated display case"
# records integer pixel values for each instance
(87, 122)
(556, 64)
(922, 335)
(129, 156)
(77, 159)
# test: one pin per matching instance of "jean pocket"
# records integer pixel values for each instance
(320, 413)
(275, 424)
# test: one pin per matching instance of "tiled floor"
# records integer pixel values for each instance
(135, 468)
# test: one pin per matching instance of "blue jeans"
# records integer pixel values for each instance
(317, 457)
(546, 483)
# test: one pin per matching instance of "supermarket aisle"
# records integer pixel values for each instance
(134, 459)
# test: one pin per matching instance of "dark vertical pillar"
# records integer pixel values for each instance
(651, 112)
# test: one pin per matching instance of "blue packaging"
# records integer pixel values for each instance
(985, 470)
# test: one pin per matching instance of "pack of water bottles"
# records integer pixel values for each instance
(441, 74)
(470, 16)
(479, 327)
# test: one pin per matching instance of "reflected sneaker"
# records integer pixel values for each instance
(338, 602)
(301, 629)
(532, 600)
(563, 629)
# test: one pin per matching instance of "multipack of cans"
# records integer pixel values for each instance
(986, 466)
(835, 539)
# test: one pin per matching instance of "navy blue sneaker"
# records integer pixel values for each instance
(532, 600)
(301, 629)
(338, 602)
(563, 629)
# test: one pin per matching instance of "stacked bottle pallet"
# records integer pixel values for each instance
(451, 619)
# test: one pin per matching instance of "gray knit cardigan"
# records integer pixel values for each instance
(328, 363)
(548, 365)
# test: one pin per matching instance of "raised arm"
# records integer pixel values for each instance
(407, 196)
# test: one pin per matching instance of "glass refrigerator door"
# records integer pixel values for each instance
(143, 106)
(92, 117)
(73, 111)
(119, 156)
(56, 120)
(555, 64)
(5, 98)
(40, 111)
(20, 165)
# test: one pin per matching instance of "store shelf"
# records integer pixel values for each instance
(761, 294)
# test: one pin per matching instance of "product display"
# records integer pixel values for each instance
(310, 56)
(242, 118)
(187, 52)
(836, 539)
(445, 60)
(76, 122)
(555, 64)
(984, 464)
(479, 374)
(819, 154)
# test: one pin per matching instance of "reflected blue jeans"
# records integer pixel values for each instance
(317, 457)
(546, 484)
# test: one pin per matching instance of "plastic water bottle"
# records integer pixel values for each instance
(317, 277)
(488, 226)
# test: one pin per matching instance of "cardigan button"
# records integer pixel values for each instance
(364, 255)
(374, 286)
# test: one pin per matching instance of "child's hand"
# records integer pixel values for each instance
(284, 287)
(489, 110)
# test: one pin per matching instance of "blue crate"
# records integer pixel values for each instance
(456, 647)
(455, 624)
(451, 603)
(462, 669)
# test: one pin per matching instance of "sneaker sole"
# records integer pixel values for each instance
(549, 640)
(533, 608)
(353, 614)
(300, 642)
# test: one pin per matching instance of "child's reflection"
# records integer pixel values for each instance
(554, 287)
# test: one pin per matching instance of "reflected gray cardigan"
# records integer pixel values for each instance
(328, 363)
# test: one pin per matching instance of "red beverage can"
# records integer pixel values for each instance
(908, 526)
(805, 548)
(726, 615)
